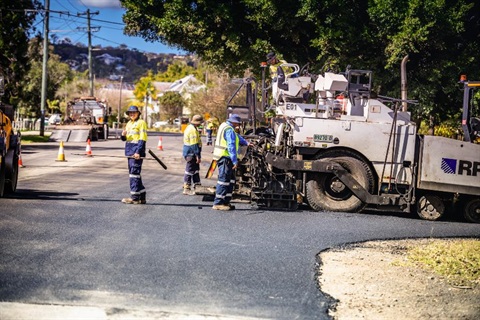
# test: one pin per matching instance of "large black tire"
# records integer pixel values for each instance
(472, 210)
(430, 207)
(325, 192)
(11, 174)
(93, 134)
(2, 177)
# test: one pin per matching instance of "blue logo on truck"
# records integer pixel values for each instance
(465, 167)
(449, 165)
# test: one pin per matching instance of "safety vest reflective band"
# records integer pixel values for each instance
(191, 136)
(220, 148)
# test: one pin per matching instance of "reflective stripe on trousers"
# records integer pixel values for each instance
(137, 190)
(226, 181)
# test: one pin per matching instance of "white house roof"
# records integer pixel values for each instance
(188, 83)
(161, 86)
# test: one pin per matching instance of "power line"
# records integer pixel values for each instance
(61, 4)
(95, 36)
(69, 18)
(82, 3)
(66, 24)
(73, 6)
(67, 13)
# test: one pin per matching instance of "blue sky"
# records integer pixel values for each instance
(111, 26)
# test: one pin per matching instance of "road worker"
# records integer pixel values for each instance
(135, 135)
(192, 153)
(225, 152)
(274, 68)
(210, 128)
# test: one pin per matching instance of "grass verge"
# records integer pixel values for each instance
(26, 139)
(457, 260)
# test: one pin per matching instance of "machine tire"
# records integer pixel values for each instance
(11, 175)
(471, 210)
(321, 193)
(93, 134)
(430, 207)
(2, 177)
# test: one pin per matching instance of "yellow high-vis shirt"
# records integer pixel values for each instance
(191, 136)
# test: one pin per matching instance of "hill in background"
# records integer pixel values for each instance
(113, 62)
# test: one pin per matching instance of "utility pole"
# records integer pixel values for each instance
(89, 32)
(120, 100)
(119, 104)
(146, 103)
(44, 68)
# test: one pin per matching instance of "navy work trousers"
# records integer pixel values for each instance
(225, 182)
(137, 190)
(192, 171)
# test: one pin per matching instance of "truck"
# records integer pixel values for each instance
(335, 145)
(9, 151)
(85, 118)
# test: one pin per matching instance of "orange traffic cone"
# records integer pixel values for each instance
(160, 147)
(20, 162)
(61, 153)
(88, 149)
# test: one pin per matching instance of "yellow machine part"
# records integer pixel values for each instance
(5, 130)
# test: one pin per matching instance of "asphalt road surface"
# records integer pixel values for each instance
(67, 240)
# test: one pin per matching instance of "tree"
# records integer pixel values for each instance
(179, 69)
(232, 35)
(76, 86)
(58, 74)
(442, 38)
(171, 104)
(16, 19)
(212, 101)
(144, 88)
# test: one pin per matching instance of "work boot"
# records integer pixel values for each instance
(222, 207)
(186, 188)
(132, 201)
(211, 190)
(232, 207)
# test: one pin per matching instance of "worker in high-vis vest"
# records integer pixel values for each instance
(135, 135)
(274, 63)
(192, 153)
(226, 151)
(210, 127)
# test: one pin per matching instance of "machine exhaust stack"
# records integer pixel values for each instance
(403, 73)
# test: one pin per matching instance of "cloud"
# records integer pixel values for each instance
(102, 3)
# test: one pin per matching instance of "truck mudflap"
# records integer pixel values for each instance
(323, 166)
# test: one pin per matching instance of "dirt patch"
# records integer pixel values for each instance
(372, 281)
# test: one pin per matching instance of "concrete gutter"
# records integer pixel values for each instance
(22, 311)
(25, 311)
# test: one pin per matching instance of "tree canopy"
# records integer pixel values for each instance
(172, 104)
(58, 75)
(16, 19)
(178, 70)
(441, 37)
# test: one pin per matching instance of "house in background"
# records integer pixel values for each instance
(185, 87)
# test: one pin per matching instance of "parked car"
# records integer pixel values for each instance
(55, 118)
(158, 124)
